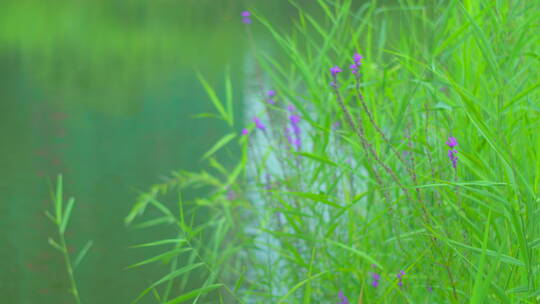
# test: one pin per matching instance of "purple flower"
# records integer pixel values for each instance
(452, 155)
(295, 119)
(294, 134)
(452, 142)
(290, 139)
(400, 278)
(354, 68)
(246, 17)
(342, 298)
(358, 59)
(271, 94)
(376, 278)
(357, 63)
(231, 195)
(296, 141)
(259, 124)
(245, 131)
(335, 70)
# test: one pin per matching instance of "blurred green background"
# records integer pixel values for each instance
(104, 92)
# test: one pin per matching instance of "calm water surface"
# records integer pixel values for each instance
(103, 92)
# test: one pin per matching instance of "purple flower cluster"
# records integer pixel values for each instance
(335, 70)
(246, 19)
(343, 299)
(294, 134)
(258, 124)
(357, 58)
(245, 131)
(376, 278)
(271, 94)
(400, 278)
(452, 143)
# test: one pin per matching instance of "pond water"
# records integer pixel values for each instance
(103, 92)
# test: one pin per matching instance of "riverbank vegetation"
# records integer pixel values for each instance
(391, 155)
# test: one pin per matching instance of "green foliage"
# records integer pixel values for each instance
(378, 194)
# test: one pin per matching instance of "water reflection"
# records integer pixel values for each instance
(102, 91)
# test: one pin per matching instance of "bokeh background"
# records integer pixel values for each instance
(104, 91)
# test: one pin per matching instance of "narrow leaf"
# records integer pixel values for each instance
(213, 97)
(358, 252)
(82, 254)
(159, 243)
(168, 277)
(220, 144)
(55, 244)
(163, 256)
(194, 293)
(65, 219)
(58, 199)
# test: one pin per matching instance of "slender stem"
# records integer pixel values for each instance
(414, 177)
(67, 261)
(359, 129)
(369, 151)
(452, 282)
(376, 126)
(428, 151)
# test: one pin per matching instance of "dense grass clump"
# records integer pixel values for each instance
(394, 158)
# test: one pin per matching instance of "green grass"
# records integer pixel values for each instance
(378, 194)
